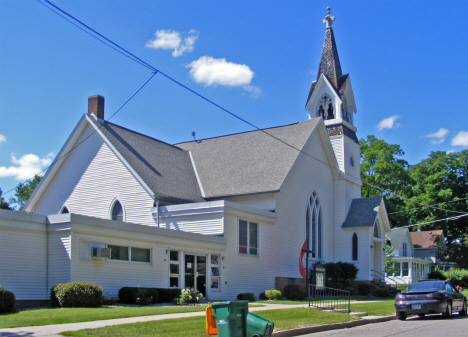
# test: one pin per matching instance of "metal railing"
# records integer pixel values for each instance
(325, 298)
(390, 280)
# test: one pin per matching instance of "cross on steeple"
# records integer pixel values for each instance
(328, 19)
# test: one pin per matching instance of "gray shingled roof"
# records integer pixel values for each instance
(250, 162)
(362, 213)
(166, 169)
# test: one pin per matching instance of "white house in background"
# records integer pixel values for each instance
(225, 215)
(408, 267)
(430, 246)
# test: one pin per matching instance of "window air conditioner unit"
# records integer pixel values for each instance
(99, 252)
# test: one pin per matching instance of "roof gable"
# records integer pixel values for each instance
(364, 211)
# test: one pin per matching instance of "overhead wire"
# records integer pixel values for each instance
(136, 59)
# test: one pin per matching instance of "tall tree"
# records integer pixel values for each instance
(384, 173)
(441, 180)
(3, 203)
(23, 192)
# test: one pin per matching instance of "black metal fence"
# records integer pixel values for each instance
(325, 298)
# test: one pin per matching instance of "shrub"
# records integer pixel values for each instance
(364, 289)
(382, 292)
(262, 296)
(352, 290)
(340, 272)
(138, 295)
(167, 295)
(7, 301)
(457, 277)
(188, 296)
(246, 296)
(294, 292)
(53, 298)
(436, 274)
(273, 294)
(78, 295)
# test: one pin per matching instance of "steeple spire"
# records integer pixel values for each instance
(329, 62)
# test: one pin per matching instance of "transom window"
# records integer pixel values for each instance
(117, 211)
(314, 227)
(248, 237)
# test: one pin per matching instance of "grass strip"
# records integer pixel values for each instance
(383, 308)
(74, 315)
(195, 326)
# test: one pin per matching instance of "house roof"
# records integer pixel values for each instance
(249, 162)
(362, 212)
(426, 239)
(166, 169)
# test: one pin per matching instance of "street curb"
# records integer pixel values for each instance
(335, 326)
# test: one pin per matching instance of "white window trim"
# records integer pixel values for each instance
(248, 237)
(130, 255)
(319, 216)
(124, 217)
(178, 262)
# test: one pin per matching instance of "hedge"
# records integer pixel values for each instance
(77, 295)
(246, 297)
(144, 296)
(7, 301)
(294, 292)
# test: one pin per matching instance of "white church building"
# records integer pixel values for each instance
(225, 215)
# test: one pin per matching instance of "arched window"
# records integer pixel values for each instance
(325, 108)
(355, 247)
(376, 229)
(351, 161)
(314, 227)
(64, 210)
(117, 211)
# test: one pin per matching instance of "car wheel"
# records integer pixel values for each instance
(463, 311)
(402, 317)
(422, 315)
(448, 310)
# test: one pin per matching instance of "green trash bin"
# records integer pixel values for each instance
(231, 318)
(258, 326)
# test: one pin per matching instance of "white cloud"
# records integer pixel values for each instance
(211, 71)
(254, 91)
(172, 40)
(388, 123)
(438, 137)
(26, 166)
(461, 139)
(2, 138)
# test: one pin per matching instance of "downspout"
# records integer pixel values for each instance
(156, 203)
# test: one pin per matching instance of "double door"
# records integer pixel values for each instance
(195, 272)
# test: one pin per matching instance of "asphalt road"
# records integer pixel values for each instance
(430, 326)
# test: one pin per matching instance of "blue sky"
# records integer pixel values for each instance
(406, 60)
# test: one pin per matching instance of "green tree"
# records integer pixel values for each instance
(389, 267)
(3, 203)
(23, 192)
(382, 167)
(441, 181)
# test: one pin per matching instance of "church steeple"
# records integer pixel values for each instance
(329, 62)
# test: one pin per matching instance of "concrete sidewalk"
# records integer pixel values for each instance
(55, 330)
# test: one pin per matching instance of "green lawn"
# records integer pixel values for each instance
(195, 326)
(383, 308)
(74, 315)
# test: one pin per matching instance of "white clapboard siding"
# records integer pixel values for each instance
(23, 258)
(59, 252)
(89, 181)
(209, 224)
(264, 201)
(338, 148)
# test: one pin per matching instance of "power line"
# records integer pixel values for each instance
(414, 209)
(433, 221)
(100, 126)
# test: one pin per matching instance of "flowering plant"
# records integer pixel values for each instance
(188, 296)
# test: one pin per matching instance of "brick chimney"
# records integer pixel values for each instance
(96, 106)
